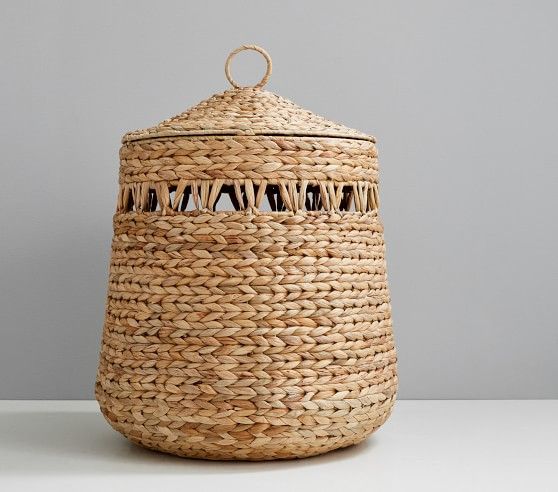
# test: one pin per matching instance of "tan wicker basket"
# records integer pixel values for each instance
(259, 332)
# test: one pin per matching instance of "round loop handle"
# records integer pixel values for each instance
(252, 47)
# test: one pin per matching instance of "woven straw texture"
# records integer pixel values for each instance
(261, 331)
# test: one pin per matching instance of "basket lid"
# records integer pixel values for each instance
(247, 111)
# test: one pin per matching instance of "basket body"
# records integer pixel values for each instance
(247, 334)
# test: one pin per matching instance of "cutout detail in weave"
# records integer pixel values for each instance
(234, 195)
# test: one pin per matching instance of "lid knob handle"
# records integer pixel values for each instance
(252, 47)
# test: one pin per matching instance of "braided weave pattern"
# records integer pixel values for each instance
(247, 336)
(258, 158)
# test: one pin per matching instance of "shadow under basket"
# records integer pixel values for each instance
(248, 313)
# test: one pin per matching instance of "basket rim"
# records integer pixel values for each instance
(136, 136)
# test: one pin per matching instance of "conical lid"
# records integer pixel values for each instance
(247, 111)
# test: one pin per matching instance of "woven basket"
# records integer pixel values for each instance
(258, 332)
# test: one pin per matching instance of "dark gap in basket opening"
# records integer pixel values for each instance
(293, 196)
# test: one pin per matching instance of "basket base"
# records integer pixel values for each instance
(294, 445)
(282, 454)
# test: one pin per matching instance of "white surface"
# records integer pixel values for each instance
(426, 445)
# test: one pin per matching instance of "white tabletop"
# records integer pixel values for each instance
(426, 445)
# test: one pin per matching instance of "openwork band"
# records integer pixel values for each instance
(245, 194)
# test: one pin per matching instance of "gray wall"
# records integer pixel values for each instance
(461, 95)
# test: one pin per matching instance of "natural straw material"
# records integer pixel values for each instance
(253, 47)
(248, 313)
